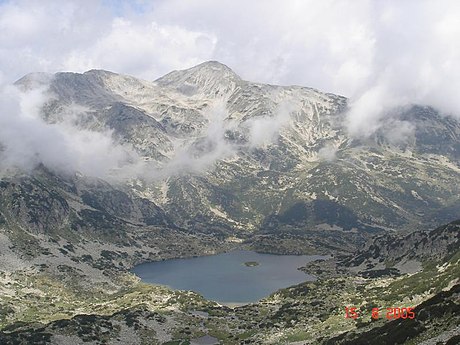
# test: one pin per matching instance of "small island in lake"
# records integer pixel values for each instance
(251, 263)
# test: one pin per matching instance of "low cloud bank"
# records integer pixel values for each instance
(26, 140)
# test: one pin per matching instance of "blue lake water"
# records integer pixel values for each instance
(225, 278)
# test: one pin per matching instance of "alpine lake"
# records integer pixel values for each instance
(236, 277)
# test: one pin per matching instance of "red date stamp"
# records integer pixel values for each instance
(390, 313)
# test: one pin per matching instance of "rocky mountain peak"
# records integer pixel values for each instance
(100, 72)
(215, 66)
(210, 78)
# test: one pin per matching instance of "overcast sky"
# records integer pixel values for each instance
(345, 47)
(381, 54)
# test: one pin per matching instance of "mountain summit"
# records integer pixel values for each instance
(210, 78)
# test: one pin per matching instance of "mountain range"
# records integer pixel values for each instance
(217, 152)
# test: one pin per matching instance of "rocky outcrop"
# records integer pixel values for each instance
(392, 254)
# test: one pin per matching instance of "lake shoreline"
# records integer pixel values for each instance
(234, 278)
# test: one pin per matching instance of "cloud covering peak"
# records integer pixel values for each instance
(26, 140)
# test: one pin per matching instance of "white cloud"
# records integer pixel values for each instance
(80, 35)
(212, 146)
(328, 153)
(265, 130)
(399, 132)
(26, 140)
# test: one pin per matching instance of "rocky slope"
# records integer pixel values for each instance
(390, 254)
(439, 314)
